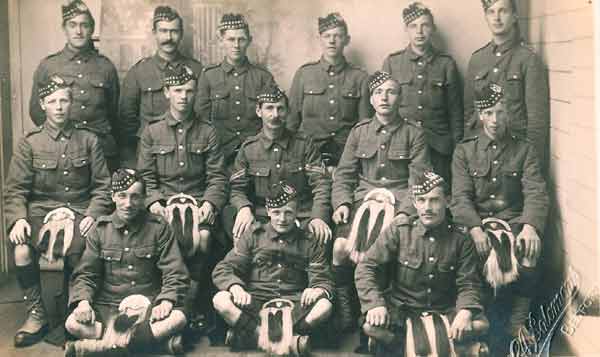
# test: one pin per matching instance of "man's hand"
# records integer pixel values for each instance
(481, 240)
(533, 243)
(310, 296)
(158, 209)
(161, 311)
(341, 214)
(320, 229)
(243, 221)
(85, 225)
(240, 296)
(378, 316)
(206, 213)
(84, 314)
(20, 231)
(462, 325)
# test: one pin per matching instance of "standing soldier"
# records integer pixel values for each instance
(430, 87)
(92, 76)
(180, 154)
(498, 175)
(330, 95)
(507, 61)
(55, 166)
(227, 91)
(143, 100)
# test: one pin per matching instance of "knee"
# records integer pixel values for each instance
(23, 255)
(369, 329)
(205, 237)
(222, 301)
(339, 249)
(326, 307)
(178, 319)
(73, 326)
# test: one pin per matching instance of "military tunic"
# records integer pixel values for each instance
(326, 101)
(227, 97)
(432, 269)
(143, 100)
(379, 156)
(523, 77)
(431, 97)
(54, 168)
(125, 258)
(499, 179)
(182, 157)
(262, 162)
(95, 84)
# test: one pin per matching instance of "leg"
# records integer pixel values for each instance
(320, 312)
(381, 334)
(244, 324)
(83, 331)
(205, 240)
(226, 308)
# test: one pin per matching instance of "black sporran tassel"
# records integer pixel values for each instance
(422, 347)
(441, 336)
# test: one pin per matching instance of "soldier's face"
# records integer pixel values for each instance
(431, 207)
(78, 31)
(273, 115)
(235, 43)
(57, 107)
(129, 203)
(420, 31)
(385, 98)
(168, 34)
(181, 98)
(494, 120)
(283, 219)
(500, 17)
(333, 41)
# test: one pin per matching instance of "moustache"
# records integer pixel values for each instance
(167, 43)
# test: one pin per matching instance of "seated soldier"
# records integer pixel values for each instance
(274, 260)
(434, 270)
(378, 154)
(131, 252)
(277, 154)
(56, 168)
(496, 175)
(181, 156)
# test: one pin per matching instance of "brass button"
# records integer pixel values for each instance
(127, 249)
(130, 267)
(79, 75)
(237, 102)
(67, 189)
(181, 163)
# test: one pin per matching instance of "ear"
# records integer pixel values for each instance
(166, 92)
(249, 39)
(114, 197)
(42, 104)
(348, 38)
(258, 111)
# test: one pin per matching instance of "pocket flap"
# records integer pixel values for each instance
(351, 92)
(44, 164)
(197, 148)
(410, 261)
(512, 172)
(259, 171)
(162, 149)
(81, 161)
(219, 94)
(111, 255)
(482, 74)
(513, 76)
(144, 252)
(314, 90)
(398, 154)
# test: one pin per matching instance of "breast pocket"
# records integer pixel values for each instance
(295, 175)
(407, 268)
(512, 185)
(314, 100)
(164, 159)
(99, 88)
(154, 101)
(446, 275)
(146, 262)
(197, 155)
(44, 172)
(112, 263)
(219, 100)
(80, 174)
(350, 100)
(514, 86)
(261, 179)
(406, 96)
(398, 160)
(479, 176)
(251, 100)
(438, 87)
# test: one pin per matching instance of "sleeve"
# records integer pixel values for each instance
(37, 114)
(100, 204)
(113, 96)
(535, 206)
(320, 182)
(455, 103)
(129, 108)
(468, 280)
(319, 270)
(365, 110)
(236, 265)
(88, 273)
(202, 100)
(537, 102)
(240, 181)
(18, 184)
(386, 67)
(346, 174)
(469, 106)
(215, 177)
(368, 272)
(463, 191)
(146, 166)
(419, 153)
(294, 120)
(175, 277)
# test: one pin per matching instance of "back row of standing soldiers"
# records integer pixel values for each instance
(192, 129)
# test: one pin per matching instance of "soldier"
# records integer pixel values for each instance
(181, 154)
(506, 60)
(273, 155)
(54, 166)
(142, 99)
(498, 175)
(435, 270)
(92, 76)
(378, 154)
(274, 260)
(227, 91)
(129, 252)
(330, 95)
(430, 87)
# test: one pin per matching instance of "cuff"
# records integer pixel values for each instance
(376, 303)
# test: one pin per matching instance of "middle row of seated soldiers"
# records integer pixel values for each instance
(327, 98)
(496, 175)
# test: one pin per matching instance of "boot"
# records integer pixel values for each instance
(301, 346)
(35, 326)
(344, 317)
(518, 319)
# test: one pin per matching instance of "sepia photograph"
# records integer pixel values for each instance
(299, 178)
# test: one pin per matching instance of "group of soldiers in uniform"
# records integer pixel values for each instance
(247, 201)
